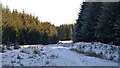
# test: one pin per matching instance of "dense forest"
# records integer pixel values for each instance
(65, 31)
(23, 28)
(98, 22)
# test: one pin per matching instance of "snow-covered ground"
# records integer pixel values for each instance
(50, 55)
(104, 51)
(66, 41)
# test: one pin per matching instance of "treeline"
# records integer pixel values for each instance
(65, 31)
(24, 28)
(98, 21)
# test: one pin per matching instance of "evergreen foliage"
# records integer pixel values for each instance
(98, 21)
(65, 31)
(23, 28)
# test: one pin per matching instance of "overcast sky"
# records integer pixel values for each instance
(55, 11)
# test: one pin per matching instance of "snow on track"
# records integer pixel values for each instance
(51, 55)
(69, 58)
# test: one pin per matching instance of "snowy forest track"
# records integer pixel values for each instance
(50, 55)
